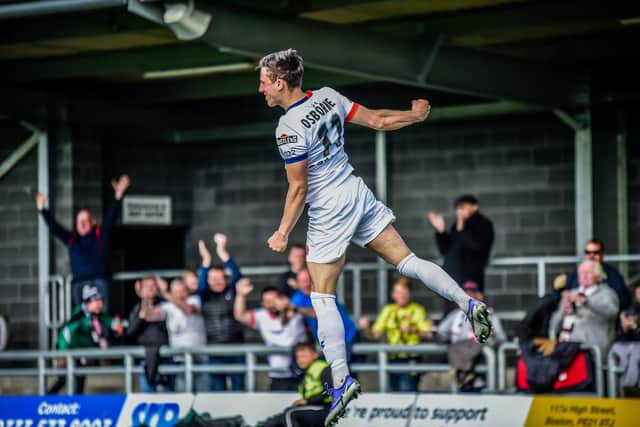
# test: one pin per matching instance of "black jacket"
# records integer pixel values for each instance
(152, 335)
(466, 253)
(536, 322)
(542, 371)
(148, 334)
(632, 335)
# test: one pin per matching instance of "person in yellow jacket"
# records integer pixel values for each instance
(313, 406)
(404, 323)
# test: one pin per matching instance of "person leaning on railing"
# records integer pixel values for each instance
(218, 294)
(279, 326)
(182, 313)
(301, 301)
(149, 332)
(89, 327)
(88, 243)
(405, 323)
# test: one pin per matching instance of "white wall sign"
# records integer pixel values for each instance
(154, 210)
(388, 410)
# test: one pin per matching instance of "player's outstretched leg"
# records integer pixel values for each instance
(440, 282)
(392, 248)
(331, 336)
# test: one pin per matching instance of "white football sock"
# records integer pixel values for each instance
(435, 278)
(331, 335)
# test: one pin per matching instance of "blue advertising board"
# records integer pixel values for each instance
(60, 411)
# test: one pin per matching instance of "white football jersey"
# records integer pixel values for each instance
(313, 129)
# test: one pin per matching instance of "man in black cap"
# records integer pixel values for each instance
(467, 244)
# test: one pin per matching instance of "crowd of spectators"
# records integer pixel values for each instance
(590, 306)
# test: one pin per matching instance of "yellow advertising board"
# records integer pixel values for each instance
(583, 412)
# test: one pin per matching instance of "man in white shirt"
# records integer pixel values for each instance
(587, 314)
(342, 209)
(279, 326)
(181, 312)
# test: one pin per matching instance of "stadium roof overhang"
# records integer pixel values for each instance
(536, 53)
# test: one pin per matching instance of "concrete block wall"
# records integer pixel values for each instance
(154, 170)
(521, 170)
(18, 241)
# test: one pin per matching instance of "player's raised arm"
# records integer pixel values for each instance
(293, 205)
(381, 119)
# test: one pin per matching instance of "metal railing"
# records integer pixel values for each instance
(57, 304)
(355, 270)
(613, 371)
(513, 346)
(494, 367)
(190, 365)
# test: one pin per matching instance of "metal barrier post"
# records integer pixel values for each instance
(62, 303)
(382, 372)
(612, 374)
(55, 312)
(71, 384)
(357, 293)
(68, 294)
(490, 358)
(502, 364)
(597, 355)
(42, 383)
(128, 374)
(542, 278)
(251, 374)
(501, 369)
(188, 372)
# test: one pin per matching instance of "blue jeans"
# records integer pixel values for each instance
(219, 381)
(145, 387)
(405, 381)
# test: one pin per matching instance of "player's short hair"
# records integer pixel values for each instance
(286, 65)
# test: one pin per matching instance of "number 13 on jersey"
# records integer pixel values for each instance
(330, 133)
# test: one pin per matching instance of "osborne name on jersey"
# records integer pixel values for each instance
(312, 129)
(319, 110)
